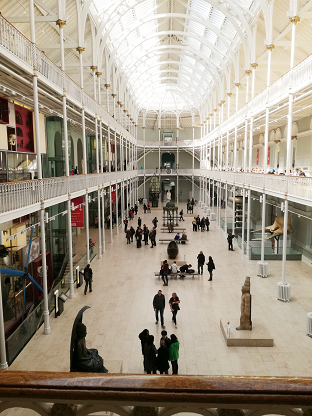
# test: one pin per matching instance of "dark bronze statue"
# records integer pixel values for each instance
(83, 359)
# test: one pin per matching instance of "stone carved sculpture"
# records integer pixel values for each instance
(277, 228)
(245, 318)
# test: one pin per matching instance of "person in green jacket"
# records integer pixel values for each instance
(174, 353)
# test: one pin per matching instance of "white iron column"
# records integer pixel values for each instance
(254, 66)
(284, 295)
(97, 159)
(225, 210)
(110, 212)
(47, 329)
(61, 24)
(109, 149)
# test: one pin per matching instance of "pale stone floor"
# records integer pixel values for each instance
(121, 307)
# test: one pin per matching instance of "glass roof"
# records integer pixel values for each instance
(172, 52)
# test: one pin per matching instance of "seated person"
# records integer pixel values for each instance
(186, 268)
(170, 227)
(177, 236)
(183, 238)
(174, 268)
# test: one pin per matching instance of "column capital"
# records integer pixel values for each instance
(93, 67)
(107, 86)
(254, 65)
(118, 102)
(125, 111)
(270, 47)
(237, 84)
(211, 114)
(277, 141)
(229, 94)
(114, 95)
(98, 74)
(223, 101)
(294, 20)
(80, 49)
(248, 71)
(61, 23)
(121, 105)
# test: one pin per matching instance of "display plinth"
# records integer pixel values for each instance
(259, 336)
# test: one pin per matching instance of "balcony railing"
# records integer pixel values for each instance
(16, 43)
(29, 194)
(51, 393)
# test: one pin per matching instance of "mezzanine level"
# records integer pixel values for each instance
(21, 198)
(52, 393)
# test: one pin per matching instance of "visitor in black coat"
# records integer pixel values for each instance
(162, 359)
(211, 267)
(150, 355)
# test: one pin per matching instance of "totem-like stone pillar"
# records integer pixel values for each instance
(245, 319)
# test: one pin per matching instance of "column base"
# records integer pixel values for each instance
(212, 216)
(47, 331)
(71, 295)
(262, 268)
(4, 366)
(283, 291)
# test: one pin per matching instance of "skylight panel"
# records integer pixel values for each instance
(115, 32)
(148, 28)
(211, 36)
(127, 19)
(229, 29)
(144, 9)
(196, 28)
(221, 47)
(193, 43)
(200, 6)
(216, 17)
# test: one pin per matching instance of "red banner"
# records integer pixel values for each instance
(257, 157)
(77, 217)
(268, 158)
(113, 190)
(24, 130)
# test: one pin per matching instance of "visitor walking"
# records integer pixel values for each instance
(194, 222)
(126, 224)
(174, 306)
(159, 306)
(153, 237)
(174, 353)
(146, 235)
(132, 232)
(181, 215)
(164, 272)
(200, 262)
(88, 274)
(128, 235)
(207, 222)
(230, 238)
(210, 267)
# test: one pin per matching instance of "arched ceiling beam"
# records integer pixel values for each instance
(195, 89)
(178, 63)
(202, 40)
(176, 49)
(213, 69)
(197, 52)
(181, 94)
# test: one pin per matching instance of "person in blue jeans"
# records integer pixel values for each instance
(159, 306)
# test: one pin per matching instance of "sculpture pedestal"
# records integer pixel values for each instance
(283, 291)
(259, 336)
(262, 269)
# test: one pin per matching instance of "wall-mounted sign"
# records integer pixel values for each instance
(77, 217)
(257, 160)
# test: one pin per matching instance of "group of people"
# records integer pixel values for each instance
(141, 233)
(200, 224)
(200, 264)
(158, 359)
(159, 304)
(147, 207)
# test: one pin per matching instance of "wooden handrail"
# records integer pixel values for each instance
(129, 389)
